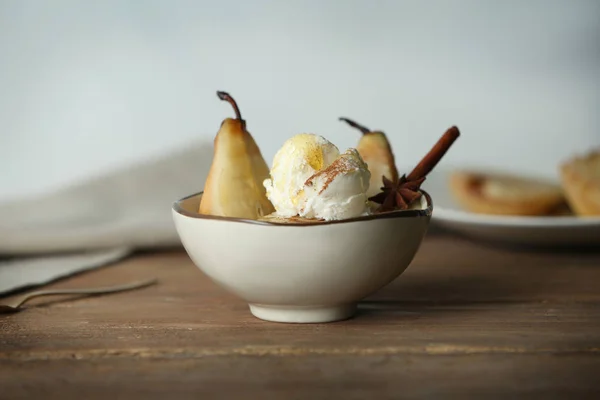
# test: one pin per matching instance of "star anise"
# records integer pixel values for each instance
(398, 195)
(402, 193)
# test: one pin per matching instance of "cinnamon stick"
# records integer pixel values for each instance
(436, 153)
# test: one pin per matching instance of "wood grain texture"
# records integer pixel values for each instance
(464, 319)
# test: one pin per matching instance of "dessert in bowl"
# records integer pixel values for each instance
(304, 241)
(301, 271)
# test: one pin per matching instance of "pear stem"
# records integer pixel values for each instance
(227, 97)
(434, 156)
(353, 124)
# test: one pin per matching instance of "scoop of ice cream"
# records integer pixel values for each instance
(299, 158)
(309, 178)
(339, 190)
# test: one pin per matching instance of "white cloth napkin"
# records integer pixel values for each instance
(98, 221)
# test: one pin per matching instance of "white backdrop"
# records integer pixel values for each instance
(90, 86)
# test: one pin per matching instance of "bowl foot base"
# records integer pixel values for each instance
(302, 315)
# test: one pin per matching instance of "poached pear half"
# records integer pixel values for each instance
(234, 186)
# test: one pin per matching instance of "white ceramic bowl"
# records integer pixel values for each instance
(302, 272)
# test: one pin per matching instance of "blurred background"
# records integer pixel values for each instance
(89, 87)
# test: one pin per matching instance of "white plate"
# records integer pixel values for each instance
(545, 231)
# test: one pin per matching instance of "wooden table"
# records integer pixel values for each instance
(465, 320)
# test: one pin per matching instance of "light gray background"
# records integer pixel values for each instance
(87, 87)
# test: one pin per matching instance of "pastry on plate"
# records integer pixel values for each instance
(580, 177)
(505, 194)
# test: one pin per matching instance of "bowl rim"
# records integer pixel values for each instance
(422, 213)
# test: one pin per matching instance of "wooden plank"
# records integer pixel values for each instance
(463, 315)
(307, 377)
(488, 328)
